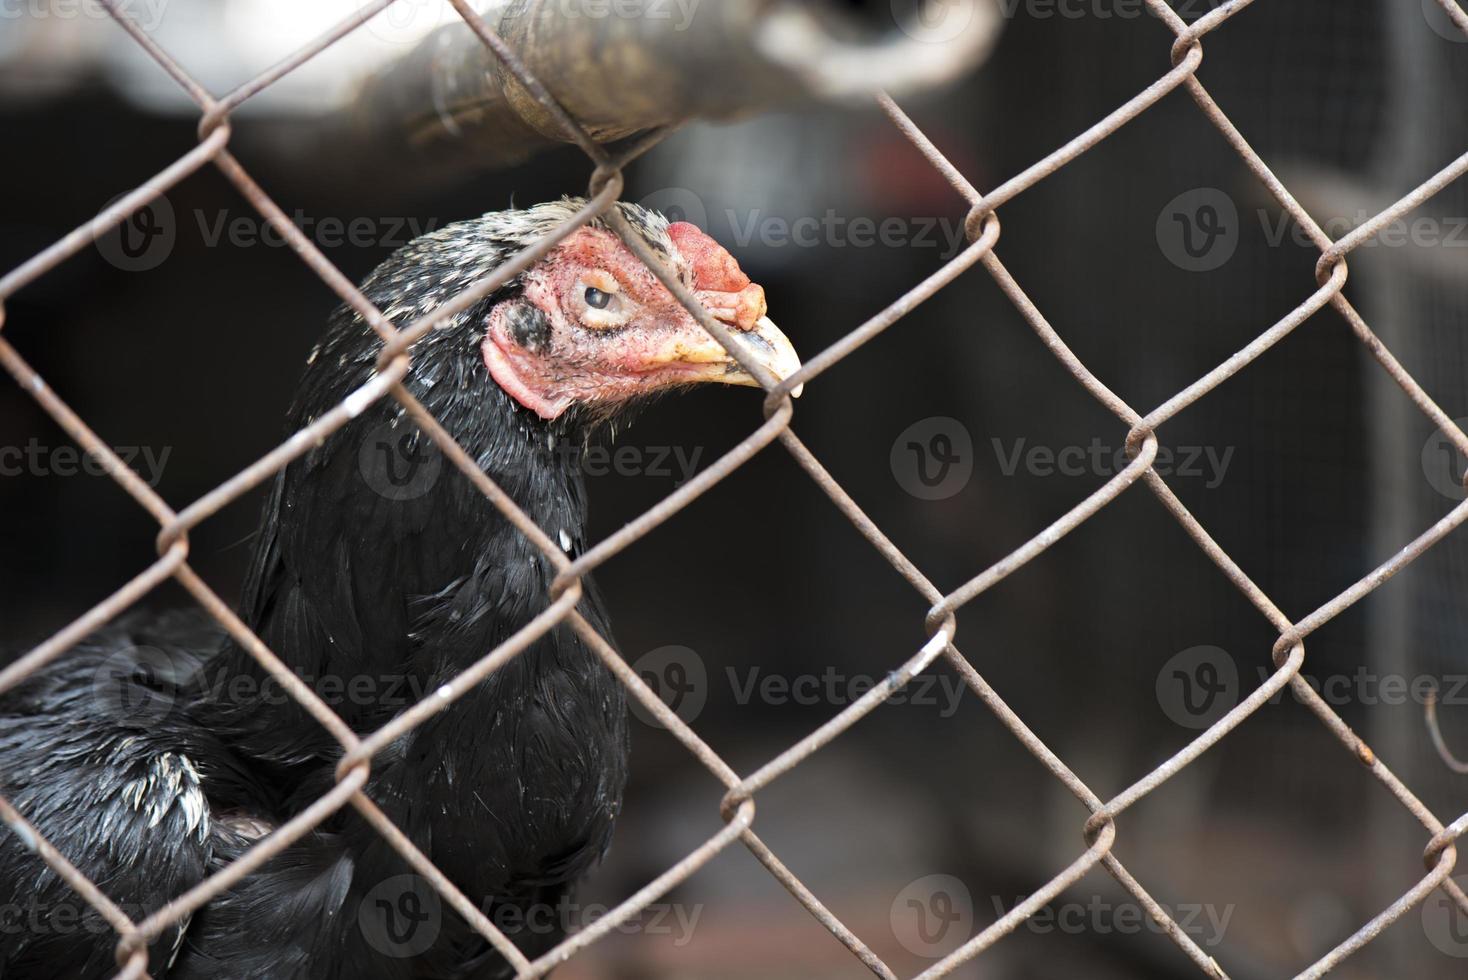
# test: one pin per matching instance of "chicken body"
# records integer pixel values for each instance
(378, 574)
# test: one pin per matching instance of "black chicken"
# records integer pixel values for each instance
(158, 751)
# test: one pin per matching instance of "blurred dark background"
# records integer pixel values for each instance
(1311, 469)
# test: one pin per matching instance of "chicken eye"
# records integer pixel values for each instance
(597, 299)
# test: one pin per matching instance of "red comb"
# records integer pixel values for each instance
(713, 267)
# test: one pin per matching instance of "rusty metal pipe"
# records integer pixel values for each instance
(623, 67)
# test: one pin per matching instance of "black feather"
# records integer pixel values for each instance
(378, 574)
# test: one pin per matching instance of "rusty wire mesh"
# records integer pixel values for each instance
(738, 807)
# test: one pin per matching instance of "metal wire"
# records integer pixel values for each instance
(1100, 831)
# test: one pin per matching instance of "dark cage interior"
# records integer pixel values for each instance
(759, 610)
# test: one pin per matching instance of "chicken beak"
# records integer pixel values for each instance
(767, 345)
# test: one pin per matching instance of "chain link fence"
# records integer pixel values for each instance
(1100, 832)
